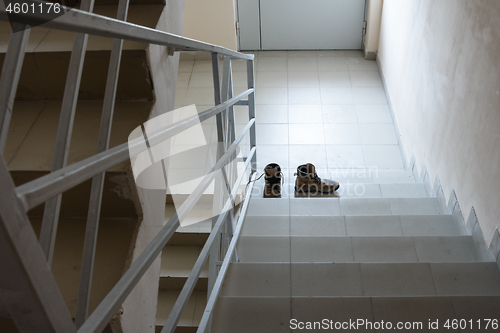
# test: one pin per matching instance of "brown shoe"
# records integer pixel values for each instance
(307, 181)
(273, 178)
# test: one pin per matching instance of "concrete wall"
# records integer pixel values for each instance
(211, 21)
(139, 309)
(440, 59)
(373, 18)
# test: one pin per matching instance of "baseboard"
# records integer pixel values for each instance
(393, 115)
(370, 55)
(469, 226)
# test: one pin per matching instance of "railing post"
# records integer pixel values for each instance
(251, 109)
(215, 250)
(64, 131)
(94, 211)
(11, 72)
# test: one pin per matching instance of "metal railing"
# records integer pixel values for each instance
(39, 303)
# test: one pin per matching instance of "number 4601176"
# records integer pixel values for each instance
(32, 8)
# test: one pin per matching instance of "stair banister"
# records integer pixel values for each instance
(36, 192)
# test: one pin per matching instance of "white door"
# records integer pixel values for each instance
(301, 24)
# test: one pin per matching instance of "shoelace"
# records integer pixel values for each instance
(316, 179)
(278, 174)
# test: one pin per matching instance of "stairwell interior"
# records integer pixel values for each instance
(384, 248)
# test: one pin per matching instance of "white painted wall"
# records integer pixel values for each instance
(211, 21)
(373, 18)
(441, 61)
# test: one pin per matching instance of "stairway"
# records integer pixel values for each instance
(32, 135)
(389, 255)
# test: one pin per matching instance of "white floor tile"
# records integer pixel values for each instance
(403, 191)
(306, 134)
(186, 66)
(317, 226)
(422, 225)
(317, 280)
(383, 156)
(334, 78)
(199, 96)
(272, 154)
(271, 79)
(305, 114)
(183, 79)
(402, 279)
(300, 154)
(321, 249)
(339, 114)
(302, 64)
(270, 114)
(357, 63)
(373, 226)
(342, 134)
(415, 206)
(272, 64)
(266, 226)
(384, 249)
(369, 95)
(302, 54)
(365, 79)
(235, 314)
(378, 134)
(247, 279)
(446, 249)
(268, 207)
(330, 53)
(336, 95)
(316, 309)
(263, 249)
(304, 96)
(201, 80)
(466, 279)
(358, 190)
(202, 66)
(345, 156)
(272, 134)
(365, 206)
(271, 95)
(314, 207)
(376, 113)
(332, 64)
(303, 79)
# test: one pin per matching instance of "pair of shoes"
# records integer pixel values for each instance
(307, 181)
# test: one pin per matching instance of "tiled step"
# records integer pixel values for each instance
(190, 318)
(389, 249)
(176, 264)
(384, 225)
(237, 314)
(365, 279)
(356, 190)
(343, 206)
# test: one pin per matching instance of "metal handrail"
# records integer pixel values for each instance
(80, 21)
(43, 188)
(207, 314)
(111, 303)
(190, 283)
(47, 187)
